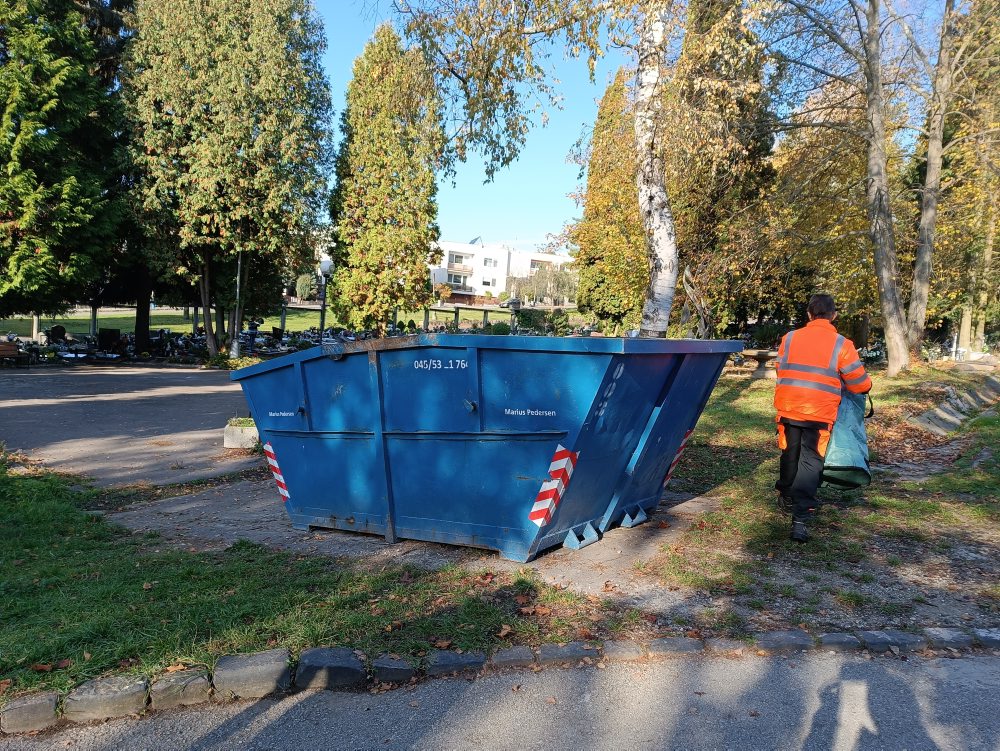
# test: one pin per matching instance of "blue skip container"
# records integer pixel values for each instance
(513, 443)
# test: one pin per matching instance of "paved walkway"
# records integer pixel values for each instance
(817, 702)
(122, 425)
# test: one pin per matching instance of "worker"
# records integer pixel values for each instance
(814, 364)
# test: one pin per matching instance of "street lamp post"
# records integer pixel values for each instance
(325, 266)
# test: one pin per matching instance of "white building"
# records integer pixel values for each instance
(473, 269)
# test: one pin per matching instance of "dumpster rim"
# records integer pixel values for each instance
(544, 344)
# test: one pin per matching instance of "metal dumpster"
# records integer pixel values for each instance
(514, 443)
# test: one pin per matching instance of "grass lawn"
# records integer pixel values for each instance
(900, 553)
(80, 598)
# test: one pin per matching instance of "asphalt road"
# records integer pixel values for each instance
(121, 425)
(818, 702)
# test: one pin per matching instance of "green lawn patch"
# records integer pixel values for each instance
(80, 598)
(875, 553)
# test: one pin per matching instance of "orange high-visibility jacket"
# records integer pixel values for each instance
(814, 363)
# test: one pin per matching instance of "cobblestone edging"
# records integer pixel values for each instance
(253, 676)
(958, 407)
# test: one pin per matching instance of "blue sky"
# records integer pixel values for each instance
(525, 202)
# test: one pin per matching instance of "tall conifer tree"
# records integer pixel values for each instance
(57, 217)
(611, 257)
(384, 206)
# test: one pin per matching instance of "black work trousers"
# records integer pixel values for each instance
(801, 470)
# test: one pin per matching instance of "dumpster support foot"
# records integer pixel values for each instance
(581, 537)
(633, 517)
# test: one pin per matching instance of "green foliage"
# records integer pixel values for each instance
(558, 322)
(58, 208)
(500, 328)
(384, 205)
(612, 259)
(531, 318)
(232, 109)
(305, 287)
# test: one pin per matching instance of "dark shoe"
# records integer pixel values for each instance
(799, 532)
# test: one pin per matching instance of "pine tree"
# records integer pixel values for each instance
(384, 207)
(232, 111)
(611, 259)
(57, 217)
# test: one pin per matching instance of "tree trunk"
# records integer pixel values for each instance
(194, 320)
(204, 287)
(144, 294)
(941, 94)
(880, 224)
(221, 335)
(654, 203)
(36, 326)
(965, 328)
(93, 317)
(985, 288)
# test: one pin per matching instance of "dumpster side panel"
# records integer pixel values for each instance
(429, 389)
(332, 480)
(610, 434)
(339, 394)
(680, 405)
(468, 490)
(276, 399)
(530, 390)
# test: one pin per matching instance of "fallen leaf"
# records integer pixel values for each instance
(609, 586)
(175, 668)
(600, 666)
(63, 664)
(551, 700)
(87, 656)
(4, 685)
(515, 688)
(754, 713)
(42, 667)
(699, 693)
(664, 525)
(442, 643)
(504, 630)
(530, 610)
(542, 610)
(414, 703)
(147, 585)
(522, 599)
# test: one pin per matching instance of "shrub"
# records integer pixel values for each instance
(305, 287)
(500, 328)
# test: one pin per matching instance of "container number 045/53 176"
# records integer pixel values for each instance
(440, 364)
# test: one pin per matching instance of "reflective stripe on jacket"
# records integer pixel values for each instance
(814, 363)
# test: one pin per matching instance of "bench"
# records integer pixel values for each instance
(11, 356)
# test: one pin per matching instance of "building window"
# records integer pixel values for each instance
(456, 279)
(455, 258)
(490, 263)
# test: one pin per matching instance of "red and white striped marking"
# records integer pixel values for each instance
(560, 471)
(272, 460)
(677, 456)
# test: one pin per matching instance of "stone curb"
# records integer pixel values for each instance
(254, 676)
(958, 406)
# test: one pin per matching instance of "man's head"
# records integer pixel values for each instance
(821, 306)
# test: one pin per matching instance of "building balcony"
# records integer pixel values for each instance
(463, 288)
(458, 268)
